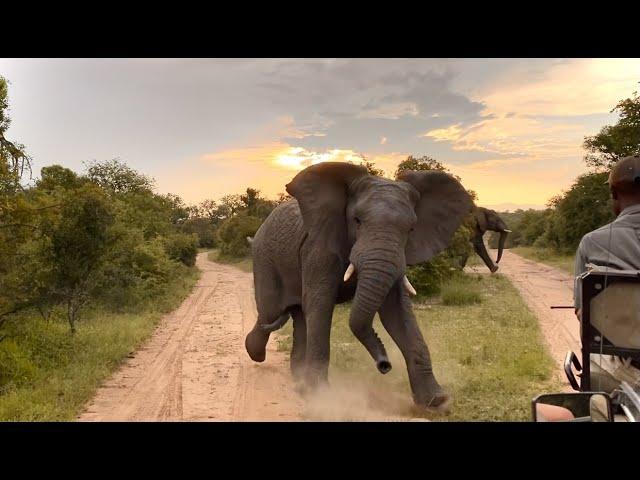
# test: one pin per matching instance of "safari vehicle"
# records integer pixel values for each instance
(610, 326)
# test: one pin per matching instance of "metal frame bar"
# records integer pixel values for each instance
(592, 285)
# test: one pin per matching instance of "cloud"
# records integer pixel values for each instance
(259, 120)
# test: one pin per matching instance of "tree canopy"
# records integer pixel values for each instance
(616, 141)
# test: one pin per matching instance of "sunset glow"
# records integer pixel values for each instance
(512, 129)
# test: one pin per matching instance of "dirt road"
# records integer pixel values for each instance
(542, 286)
(195, 367)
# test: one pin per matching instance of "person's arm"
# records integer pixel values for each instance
(579, 269)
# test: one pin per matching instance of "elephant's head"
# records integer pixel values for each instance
(489, 220)
(377, 227)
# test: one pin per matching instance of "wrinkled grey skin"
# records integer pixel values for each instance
(339, 215)
(488, 220)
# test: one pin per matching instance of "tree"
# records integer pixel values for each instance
(616, 141)
(14, 161)
(208, 209)
(419, 163)
(117, 177)
(56, 176)
(371, 167)
(583, 208)
(229, 206)
(203, 228)
(78, 245)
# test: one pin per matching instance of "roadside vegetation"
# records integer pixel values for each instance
(89, 261)
(47, 374)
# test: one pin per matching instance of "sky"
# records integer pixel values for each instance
(512, 129)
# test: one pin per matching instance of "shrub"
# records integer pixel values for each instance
(233, 233)
(182, 247)
(16, 367)
(427, 277)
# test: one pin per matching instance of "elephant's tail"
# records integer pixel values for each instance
(277, 325)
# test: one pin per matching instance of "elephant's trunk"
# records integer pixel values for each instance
(375, 279)
(481, 250)
(501, 242)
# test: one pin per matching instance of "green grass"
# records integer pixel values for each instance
(548, 256)
(54, 373)
(244, 263)
(489, 355)
(461, 290)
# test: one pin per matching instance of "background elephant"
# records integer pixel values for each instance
(350, 235)
(486, 219)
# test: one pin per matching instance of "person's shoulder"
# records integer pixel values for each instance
(595, 234)
(599, 235)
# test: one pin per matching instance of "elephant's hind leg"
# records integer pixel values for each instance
(257, 338)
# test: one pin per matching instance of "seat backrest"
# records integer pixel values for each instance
(616, 314)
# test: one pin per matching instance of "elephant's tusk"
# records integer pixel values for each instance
(408, 286)
(505, 230)
(349, 272)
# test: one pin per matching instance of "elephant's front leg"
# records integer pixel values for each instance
(299, 349)
(320, 283)
(398, 319)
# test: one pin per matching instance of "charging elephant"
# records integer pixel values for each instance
(350, 235)
(486, 219)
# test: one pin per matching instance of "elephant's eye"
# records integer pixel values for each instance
(357, 220)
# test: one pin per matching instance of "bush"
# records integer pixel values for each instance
(582, 209)
(16, 367)
(461, 290)
(427, 277)
(233, 233)
(182, 247)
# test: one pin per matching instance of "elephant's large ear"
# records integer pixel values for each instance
(481, 218)
(321, 191)
(442, 207)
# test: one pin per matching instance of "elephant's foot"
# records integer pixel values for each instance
(440, 404)
(494, 269)
(300, 387)
(256, 344)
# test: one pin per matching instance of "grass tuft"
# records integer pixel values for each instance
(461, 290)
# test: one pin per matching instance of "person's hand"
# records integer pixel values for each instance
(553, 413)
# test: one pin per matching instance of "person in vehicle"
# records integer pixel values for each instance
(616, 246)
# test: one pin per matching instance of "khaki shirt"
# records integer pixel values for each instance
(616, 245)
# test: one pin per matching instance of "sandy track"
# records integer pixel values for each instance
(195, 368)
(542, 286)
